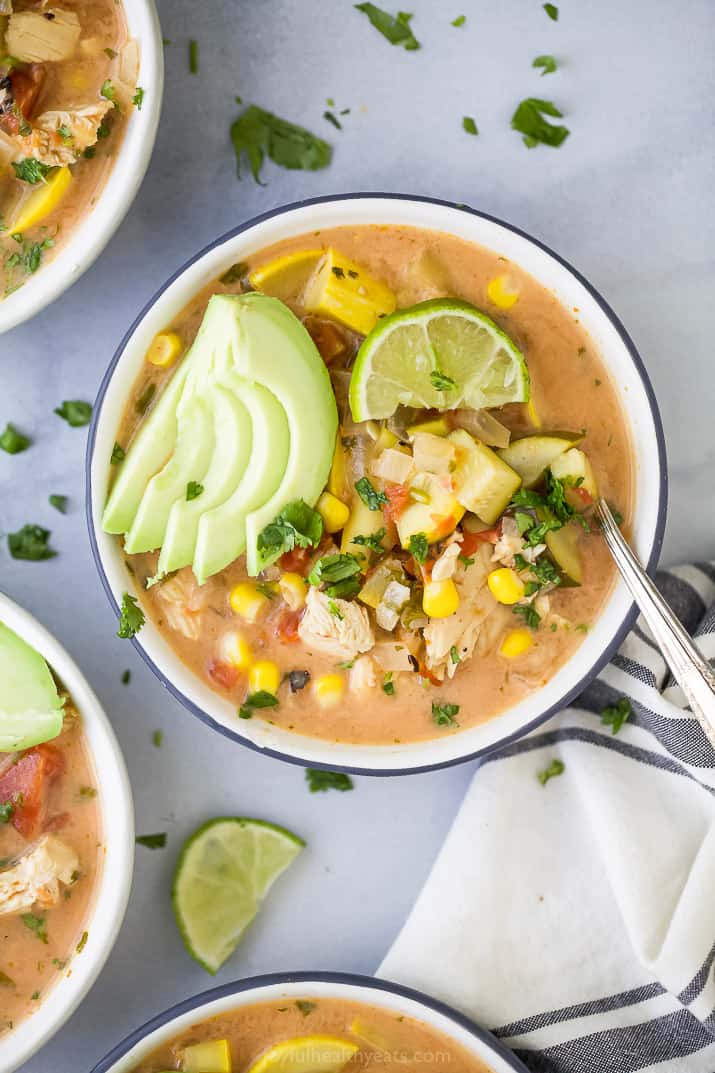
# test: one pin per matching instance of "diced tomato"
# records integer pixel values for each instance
(472, 541)
(429, 676)
(296, 561)
(286, 626)
(223, 674)
(27, 83)
(27, 786)
(585, 497)
(398, 496)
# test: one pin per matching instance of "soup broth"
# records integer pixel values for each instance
(424, 674)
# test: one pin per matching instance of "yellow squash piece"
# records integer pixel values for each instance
(164, 350)
(285, 277)
(43, 201)
(343, 290)
(306, 1054)
(502, 291)
(438, 426)
(362, 522)
(432, 510)
(213, 1056)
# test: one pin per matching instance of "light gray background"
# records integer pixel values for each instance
(628, 199)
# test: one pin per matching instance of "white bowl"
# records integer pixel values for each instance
(117, 832)
(89, 238)
(284, 988)
(630, 381)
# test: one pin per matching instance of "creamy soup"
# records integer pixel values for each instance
(50, 854)
(451, 563)
(67, 83)
(367, 1035)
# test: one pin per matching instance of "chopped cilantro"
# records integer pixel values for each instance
(371, 540)
(194, 57)
(338, 573)
(256, 133)
(531, 616)
(388, 686)
(193, 490)
(37, 924)
(75, 412)
(547, 63)
(118, 455)
(30, 543)
(126, 677)
(30, 170)
(320, 781)
(418, 547)
(465, 561)
(261, 699)
(305, 1007)
(108, 91)
(469, 125)
(441, 381)
(335, 610)
(59, 503)
(64, 132)
(370, 496)
(524, 522)
(395, 28)
(12, 441)
(82, 942)
(131, 617)
(454, 654)
(298, 525)
(552, 11)
(332, 118)
(556, 767)
(157, 739)
(615, 715)
(529, 120)
(235, 273)
(444, 714)
(138, 99)
(157, 841)
(459, 21)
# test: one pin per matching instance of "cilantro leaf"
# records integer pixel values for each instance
(59, 503)
(75, 412)
(320, 781)
(395, 28)
(256, 133)
(157, 841)
(30, 543)
(193, 490)
(530, 615)
(332, 118)
(138, 99)
(371, 540)
(547, 63)
(194, 57)
(297, 525)
(261, 699)
(118, 455)
(131, 617)
(13, 441)
(552, 11)
(331, 569)
(459, 21)
(444, 714)
(470, 126)
(388, 686)
(108, 91)
(37, 924)
(615, 715)
(31, 171)
(441, 381)
(370, 496)
(529, 120)
(418, 547)
(556, 767)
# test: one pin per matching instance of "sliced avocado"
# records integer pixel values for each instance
(232, 436)
(433, 510)
(222, 531)
(30, 706)
(484, 483)
(564, 547)
(574, 465)
(531, 456)
(189, 462)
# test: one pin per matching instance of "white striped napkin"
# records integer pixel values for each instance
(576, 919)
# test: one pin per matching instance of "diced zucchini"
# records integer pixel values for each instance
(433, 454)
(574, 465)
(383, 575)
(214, 1056)
(484, 482)
(564, 548)
(433, 510)
(364, 522)
(343, 290)
(531, 456)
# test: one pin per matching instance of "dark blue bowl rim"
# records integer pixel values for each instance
(237, 987)
(628, 619)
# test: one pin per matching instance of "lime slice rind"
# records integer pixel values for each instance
(396, 360)
(225, 870)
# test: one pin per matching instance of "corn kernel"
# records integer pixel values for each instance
(213, 1056)
(293, 588)
(502, 291)
(164, 349)
(333, 512)
(328, 689)
(236, 650)
(247, 601)
(440, 598)
(516, 643)
(506, 586)
(264, 676)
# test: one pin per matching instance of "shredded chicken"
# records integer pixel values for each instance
(47, 145)
(509, 543)
(446, 565)
(184, 603)
(362, 675)
(35, 878)
(394, 599)
(343, 634)
(461, 630)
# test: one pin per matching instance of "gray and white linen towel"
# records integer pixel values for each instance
(576, 919)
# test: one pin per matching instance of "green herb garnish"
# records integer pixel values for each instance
(547, 63)
(320, 781)
(332, 118)
(335, 610)
(418, 547)
(454, 654)
(371, 540)
(444, 714)
(256, 133)
(194, 57)
(388, 686)
(370, 496)
(131, 617)
(59, 503)
(530, 615)
(441, 381)
(12, 441)
(37, 924)
(31, 171)
(331, 570)
(118, 455)
(305, 1007)
(298, 525)
(193, 490)
(615, 715)
(469, 125)
(529, 120)
(395, 28)
(87, 793)
(556, 767)
(7, 811)
(108, 91)
(261, 699)
(75, 412)
(157, 841)
(552, 11)
(30, 543)
(5, 980)
(82, 942)
(138, 99)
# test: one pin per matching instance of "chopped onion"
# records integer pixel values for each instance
(392, 656)
(392, 465)
(484, 426)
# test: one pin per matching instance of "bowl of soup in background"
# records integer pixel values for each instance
(372, 1015)
(106, 850)
(95, 209)
(631, 392)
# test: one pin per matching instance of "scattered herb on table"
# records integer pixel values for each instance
(552, 11)
(193, 490)
(469, 125)
(59, 503)
(441, 381)
(370, 496)
(157, 841)
(297, 525)
(118, 455)
(615, 715)
(31, 544)
(556, 767)
(194, 57)
(75, 412)
(459, 21)
(444, 714)
(395, 28)
(320, 781)
(529, 120)
(157, 739)
(332, 118)
(418, 547)
(256, 133)
(13, 441)
(37, 924)
(261, 699)
(131, 617)
(126, 677)
(547, 63)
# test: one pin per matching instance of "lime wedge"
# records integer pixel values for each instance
(225, 870)
(306, 1054)
(437, 355)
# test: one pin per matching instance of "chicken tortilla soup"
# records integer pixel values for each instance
(355, 480)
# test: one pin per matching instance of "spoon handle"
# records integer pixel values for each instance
(693, 673)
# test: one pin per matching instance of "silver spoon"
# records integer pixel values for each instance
(693, 673)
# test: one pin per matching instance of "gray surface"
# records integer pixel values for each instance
(628, 199)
